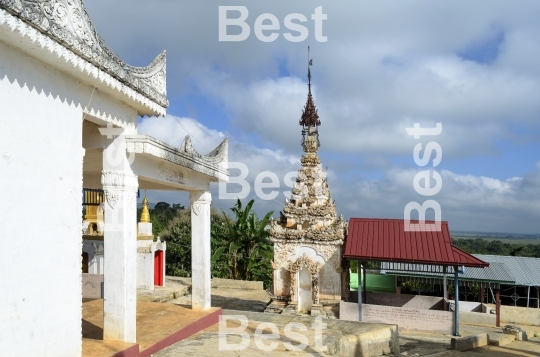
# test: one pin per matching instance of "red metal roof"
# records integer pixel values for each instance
(386, 240)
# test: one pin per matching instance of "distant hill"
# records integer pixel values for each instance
(500, 235)
(522, 245)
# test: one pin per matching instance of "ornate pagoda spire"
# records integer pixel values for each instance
(309, 233)
(310, 119)
(310, 215)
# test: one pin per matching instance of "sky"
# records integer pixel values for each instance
(384, 65)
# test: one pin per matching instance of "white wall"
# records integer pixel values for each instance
(40, 182)
(406, 318)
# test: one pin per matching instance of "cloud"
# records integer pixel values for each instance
(172, 130)
(468, 202)
(382, 70)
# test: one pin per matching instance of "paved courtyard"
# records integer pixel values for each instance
(206, 342)
(233, 299)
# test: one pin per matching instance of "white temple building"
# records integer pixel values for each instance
(69, 121)
(308, 237)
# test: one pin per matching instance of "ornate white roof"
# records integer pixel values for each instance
(214, 164)
(67, 22)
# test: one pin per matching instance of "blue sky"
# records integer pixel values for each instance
(474, 67)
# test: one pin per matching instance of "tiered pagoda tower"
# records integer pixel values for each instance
(308, 237)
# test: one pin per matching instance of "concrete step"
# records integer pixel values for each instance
(339, 338)
(469, 342)
(500, 339)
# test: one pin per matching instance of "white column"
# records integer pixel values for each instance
(120, 269)
(200, 249)
(120, 244)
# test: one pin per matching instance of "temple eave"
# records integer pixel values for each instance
(85, 43)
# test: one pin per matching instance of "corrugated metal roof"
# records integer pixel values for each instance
(496, 272)
(523, 270)
(386, 240)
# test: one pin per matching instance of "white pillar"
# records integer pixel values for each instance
(200, 250)
(120, 244)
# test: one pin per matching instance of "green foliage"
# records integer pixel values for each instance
(369, 265)
(354, 266)
(496, 247)
(415, 288)
(162, 215)
(242, 245)
(178, 238)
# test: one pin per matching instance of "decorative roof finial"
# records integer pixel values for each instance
(310, 63)
(145, 214)
(310, 118)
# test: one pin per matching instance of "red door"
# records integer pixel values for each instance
(158, 268)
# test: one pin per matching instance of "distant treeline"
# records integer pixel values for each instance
(496, 247)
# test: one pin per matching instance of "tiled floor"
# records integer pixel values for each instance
(158, 325)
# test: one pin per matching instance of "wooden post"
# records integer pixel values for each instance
(398, 287)
(498, 307)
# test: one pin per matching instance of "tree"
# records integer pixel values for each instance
(241, 248)
(178, 238)
(243, 245)
(162, 215)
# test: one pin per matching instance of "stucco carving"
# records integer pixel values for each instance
(74, 60)
(315, 288)
(311, 235)
(310, 160)
(312, 265)
(196, 208)
(119, 179)
(309, 219)
(214, 164)
(292, 288)
(218, 155)
(112, 197)
(67, 22)
(282, 251)
(200, 197)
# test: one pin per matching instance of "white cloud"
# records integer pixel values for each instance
(172, 130)
(468, 202)
(382, 69)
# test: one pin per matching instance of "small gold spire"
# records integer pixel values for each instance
(145, 214)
